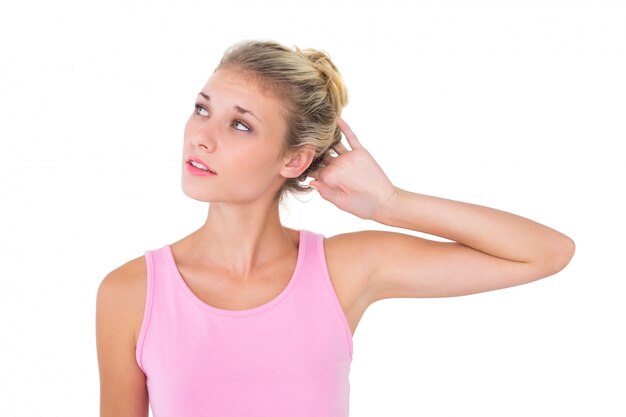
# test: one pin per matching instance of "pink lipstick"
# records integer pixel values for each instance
(198, 170)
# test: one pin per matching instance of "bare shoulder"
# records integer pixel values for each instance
(344, 242)
(361, 245)
(127, 273)
(119, 310)
(342, 248)
(124, 290)
(360, 256)
(349, 259)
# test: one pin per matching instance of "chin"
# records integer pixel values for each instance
(215, 196)
(202, 197)
(198, 193)
(231, 194)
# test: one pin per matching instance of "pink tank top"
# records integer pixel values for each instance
(289, 357)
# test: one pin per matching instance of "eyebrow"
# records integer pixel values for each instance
(239, 109)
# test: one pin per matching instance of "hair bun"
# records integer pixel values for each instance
(334, 82)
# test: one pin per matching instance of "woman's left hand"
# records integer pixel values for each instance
(352, 180)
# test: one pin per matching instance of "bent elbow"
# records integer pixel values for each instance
(561, 254)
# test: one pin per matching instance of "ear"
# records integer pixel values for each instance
(297, 161)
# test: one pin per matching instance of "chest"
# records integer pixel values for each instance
(215, 288)
(223, 293)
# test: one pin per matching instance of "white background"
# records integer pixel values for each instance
(514, 105)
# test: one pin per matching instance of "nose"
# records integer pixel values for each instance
(203, 134)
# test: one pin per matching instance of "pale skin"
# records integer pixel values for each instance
(242, 256)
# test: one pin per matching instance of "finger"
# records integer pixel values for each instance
(325, 191)
(315, 173)
(350, 136)
(340, 148)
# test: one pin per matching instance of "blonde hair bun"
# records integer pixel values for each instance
(322, 62)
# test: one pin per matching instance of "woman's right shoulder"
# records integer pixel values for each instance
(119, 309)
(126, 278)
(124, 290)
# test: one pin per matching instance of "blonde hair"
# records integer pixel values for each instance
(311, 88)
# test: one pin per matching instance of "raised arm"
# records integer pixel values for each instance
(489, 248)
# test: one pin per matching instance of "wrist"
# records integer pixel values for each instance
(388, 203)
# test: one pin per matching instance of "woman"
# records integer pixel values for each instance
(245, 317)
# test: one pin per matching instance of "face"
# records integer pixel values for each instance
(236, 131)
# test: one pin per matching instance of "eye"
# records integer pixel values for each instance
(239, 125)
(199, 110)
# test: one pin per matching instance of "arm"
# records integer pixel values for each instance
(122, 383)
(490, 249)
(497, 233)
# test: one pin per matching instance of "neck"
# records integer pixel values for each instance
(242, 237)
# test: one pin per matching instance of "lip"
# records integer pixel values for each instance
(200, 161)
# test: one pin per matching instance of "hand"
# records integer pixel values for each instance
(352, 180)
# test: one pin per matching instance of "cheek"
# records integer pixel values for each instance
(257, 165)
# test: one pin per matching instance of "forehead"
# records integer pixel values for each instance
(239, 85)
